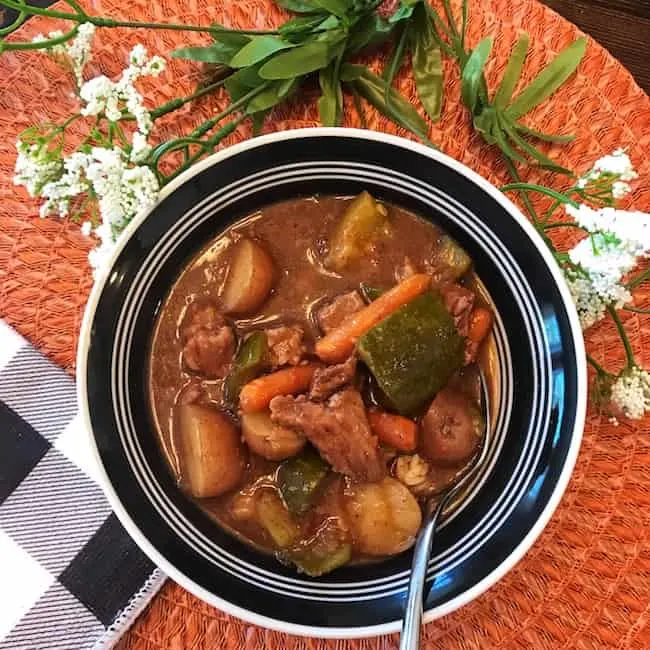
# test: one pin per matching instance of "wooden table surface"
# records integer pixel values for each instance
(622, 26)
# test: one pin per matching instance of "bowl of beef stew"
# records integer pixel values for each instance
(303, 343)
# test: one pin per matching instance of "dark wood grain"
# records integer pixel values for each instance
(622, 26)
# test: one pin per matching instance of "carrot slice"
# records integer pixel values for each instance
(257, 394)
(336, 346)
(394, 430)
(480, 323)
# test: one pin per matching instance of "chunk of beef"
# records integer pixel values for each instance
(201, 315)
(459, 303)
(338, 428)
(329, 379)
(286, 346)
(334, 313)
(209, 344)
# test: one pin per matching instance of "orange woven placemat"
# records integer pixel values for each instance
(586, 582)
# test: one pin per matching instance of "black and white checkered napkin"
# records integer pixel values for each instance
(70, 576)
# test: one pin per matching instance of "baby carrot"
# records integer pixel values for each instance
(480, 322)
(337, 345)
(394, 430)
(257, 394)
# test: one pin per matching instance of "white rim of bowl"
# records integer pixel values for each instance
(524, 545)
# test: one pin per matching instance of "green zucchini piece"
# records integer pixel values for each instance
(413, 353)
(315, 563)
(453, 258)
(275, 518)
(328, 549)
(298, 479)
(251, 360)
(364, 221)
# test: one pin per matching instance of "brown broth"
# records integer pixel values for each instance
(295, 233)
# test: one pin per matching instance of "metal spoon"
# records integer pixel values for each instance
(412, 622)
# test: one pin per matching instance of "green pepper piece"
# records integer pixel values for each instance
(369, 293)
(413, 353)
(299, 477)
(249, 362)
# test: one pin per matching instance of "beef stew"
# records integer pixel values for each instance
(315, 375)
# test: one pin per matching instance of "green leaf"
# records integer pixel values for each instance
(258, 120)
(397, 56)
(404, 12)
(371, 31)
(545, 137)
(216, 53)
(528, 148)
(339, 8)
(548, 80)
(352, 72)
(259, 48)
(243, 81)
(502, 142)
(232, 39)
(299, 61)
(301, 24)
(512, 73)
(273, 95)
(330, 104)
(373, 89)
(426, 60)
(485, 123)
(472, 76)
(298, 6)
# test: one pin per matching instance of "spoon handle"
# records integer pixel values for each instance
(411, 626)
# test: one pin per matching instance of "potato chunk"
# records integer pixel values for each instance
(384, 517)
(249, 280)
(212, 456)
(268, 439)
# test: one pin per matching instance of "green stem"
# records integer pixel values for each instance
(636, 310)
(629, 353)
(211, 143)
(38, 45)
(563, 224)
(175, 104)
(31, 10)
(639, 279)
(101, 21)
(212, 122)
(597, 367)
(12, 27)
(356, 98)
(547, 191)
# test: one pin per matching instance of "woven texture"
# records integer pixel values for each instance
(586, 582)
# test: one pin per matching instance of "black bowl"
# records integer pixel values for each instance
(539, 411)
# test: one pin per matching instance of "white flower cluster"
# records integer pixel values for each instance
(122, 191)
(116, 178)
(617, 165)
(102, 95)
(36, 166)
(617, 238)
(76, 53)
(630, 393)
